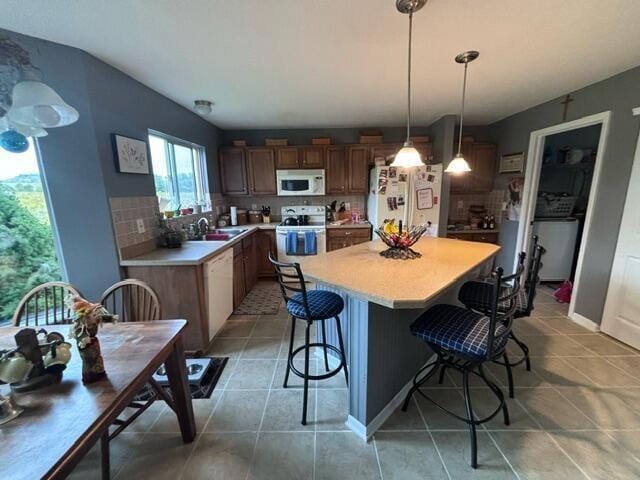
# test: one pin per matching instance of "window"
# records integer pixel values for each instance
(179, 172)
(27, 249)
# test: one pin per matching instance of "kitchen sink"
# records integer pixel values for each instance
(219, 234)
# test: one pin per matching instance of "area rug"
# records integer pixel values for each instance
(263, 299)
(206, 387)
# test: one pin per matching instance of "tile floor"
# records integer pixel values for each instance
(575, 416)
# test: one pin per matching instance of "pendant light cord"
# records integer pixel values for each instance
(409, 81)
(464, 91)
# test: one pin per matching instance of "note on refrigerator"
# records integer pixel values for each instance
(424, 198)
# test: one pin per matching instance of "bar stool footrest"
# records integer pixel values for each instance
(324, 376)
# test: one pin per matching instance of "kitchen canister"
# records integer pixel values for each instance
(243, 217)
(255, 216)
(234, 215)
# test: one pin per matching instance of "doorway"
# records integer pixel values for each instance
(28, 254)
(561, 180)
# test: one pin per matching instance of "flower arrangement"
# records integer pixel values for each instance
(87, 318)
(399, 241)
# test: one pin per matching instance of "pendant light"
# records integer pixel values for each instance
(459, 164)
(408, 156)
(36, 104)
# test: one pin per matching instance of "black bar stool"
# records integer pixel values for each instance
(476, 295)
(315, 305)
(465, 340)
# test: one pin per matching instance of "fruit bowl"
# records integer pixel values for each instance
(400, 242)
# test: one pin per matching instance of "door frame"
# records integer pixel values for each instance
(607, 314)
(530, 193)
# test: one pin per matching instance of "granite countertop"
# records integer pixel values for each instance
(362, 272)
(350, 225)
(193, 252)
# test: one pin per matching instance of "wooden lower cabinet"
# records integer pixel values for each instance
(338, 238)
(239, 289)
(250, 262)
(181, 293)
(265, 243)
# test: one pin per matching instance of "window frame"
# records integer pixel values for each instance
(198, 164)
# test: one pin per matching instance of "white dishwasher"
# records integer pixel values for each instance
(218, 284)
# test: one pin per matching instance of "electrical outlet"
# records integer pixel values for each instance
(140, 224)
(460, 204)
(347, 206)
(504, 206)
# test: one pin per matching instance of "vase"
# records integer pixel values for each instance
(92, 362)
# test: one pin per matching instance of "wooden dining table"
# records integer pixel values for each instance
(62, 422)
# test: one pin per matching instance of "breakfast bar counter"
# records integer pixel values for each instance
(382, 298)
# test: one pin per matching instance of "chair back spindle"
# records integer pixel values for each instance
(46, 304)
(132, 300)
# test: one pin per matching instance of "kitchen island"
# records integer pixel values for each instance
(382, 298)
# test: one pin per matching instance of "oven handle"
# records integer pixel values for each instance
(317, 232)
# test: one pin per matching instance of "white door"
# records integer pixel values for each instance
(621, 318)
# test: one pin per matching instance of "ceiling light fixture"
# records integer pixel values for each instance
(459, 165)
(408, 156)
(202, 107)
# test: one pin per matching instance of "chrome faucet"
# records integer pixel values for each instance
(203, 226)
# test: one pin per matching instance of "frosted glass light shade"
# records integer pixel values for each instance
(6, 124)
(458, 165)
(407, 157)
(36, 104)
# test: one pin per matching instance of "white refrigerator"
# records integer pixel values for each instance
(411, 195)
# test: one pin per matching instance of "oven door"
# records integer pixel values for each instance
(287, 256)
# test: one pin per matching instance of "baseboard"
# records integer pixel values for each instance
(365, 432)
(585, 322)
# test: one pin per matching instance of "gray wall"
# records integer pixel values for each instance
(77, 161)
(443, 138)
(123, 105)
(619, 94)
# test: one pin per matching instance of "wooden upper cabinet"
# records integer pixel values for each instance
(336, 170)
(358, 168)
(461, 182)
(425, 150)
(384, 151)
(287, 158)
(484, 158)
(312, 157)
(262, 171)
(233, 171)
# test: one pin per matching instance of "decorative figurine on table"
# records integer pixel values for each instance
(400, 241)
(87, 318)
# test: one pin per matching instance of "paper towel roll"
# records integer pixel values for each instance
(234, 215)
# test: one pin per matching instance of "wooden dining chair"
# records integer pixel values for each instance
(133, 301)
(46, 304)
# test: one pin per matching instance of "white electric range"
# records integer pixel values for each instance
(312, 219)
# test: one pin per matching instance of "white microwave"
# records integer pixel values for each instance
(300, 182)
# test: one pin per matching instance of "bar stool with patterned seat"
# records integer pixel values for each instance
(464, 340)
(476, 295)
(310, 306)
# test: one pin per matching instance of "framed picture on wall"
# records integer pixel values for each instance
(512, 163)
(131, 154)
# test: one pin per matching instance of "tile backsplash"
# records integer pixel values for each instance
(125, 213)
(459, 205)
(276, 203)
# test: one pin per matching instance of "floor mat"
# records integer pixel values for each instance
(263, 299)
(204, 390)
